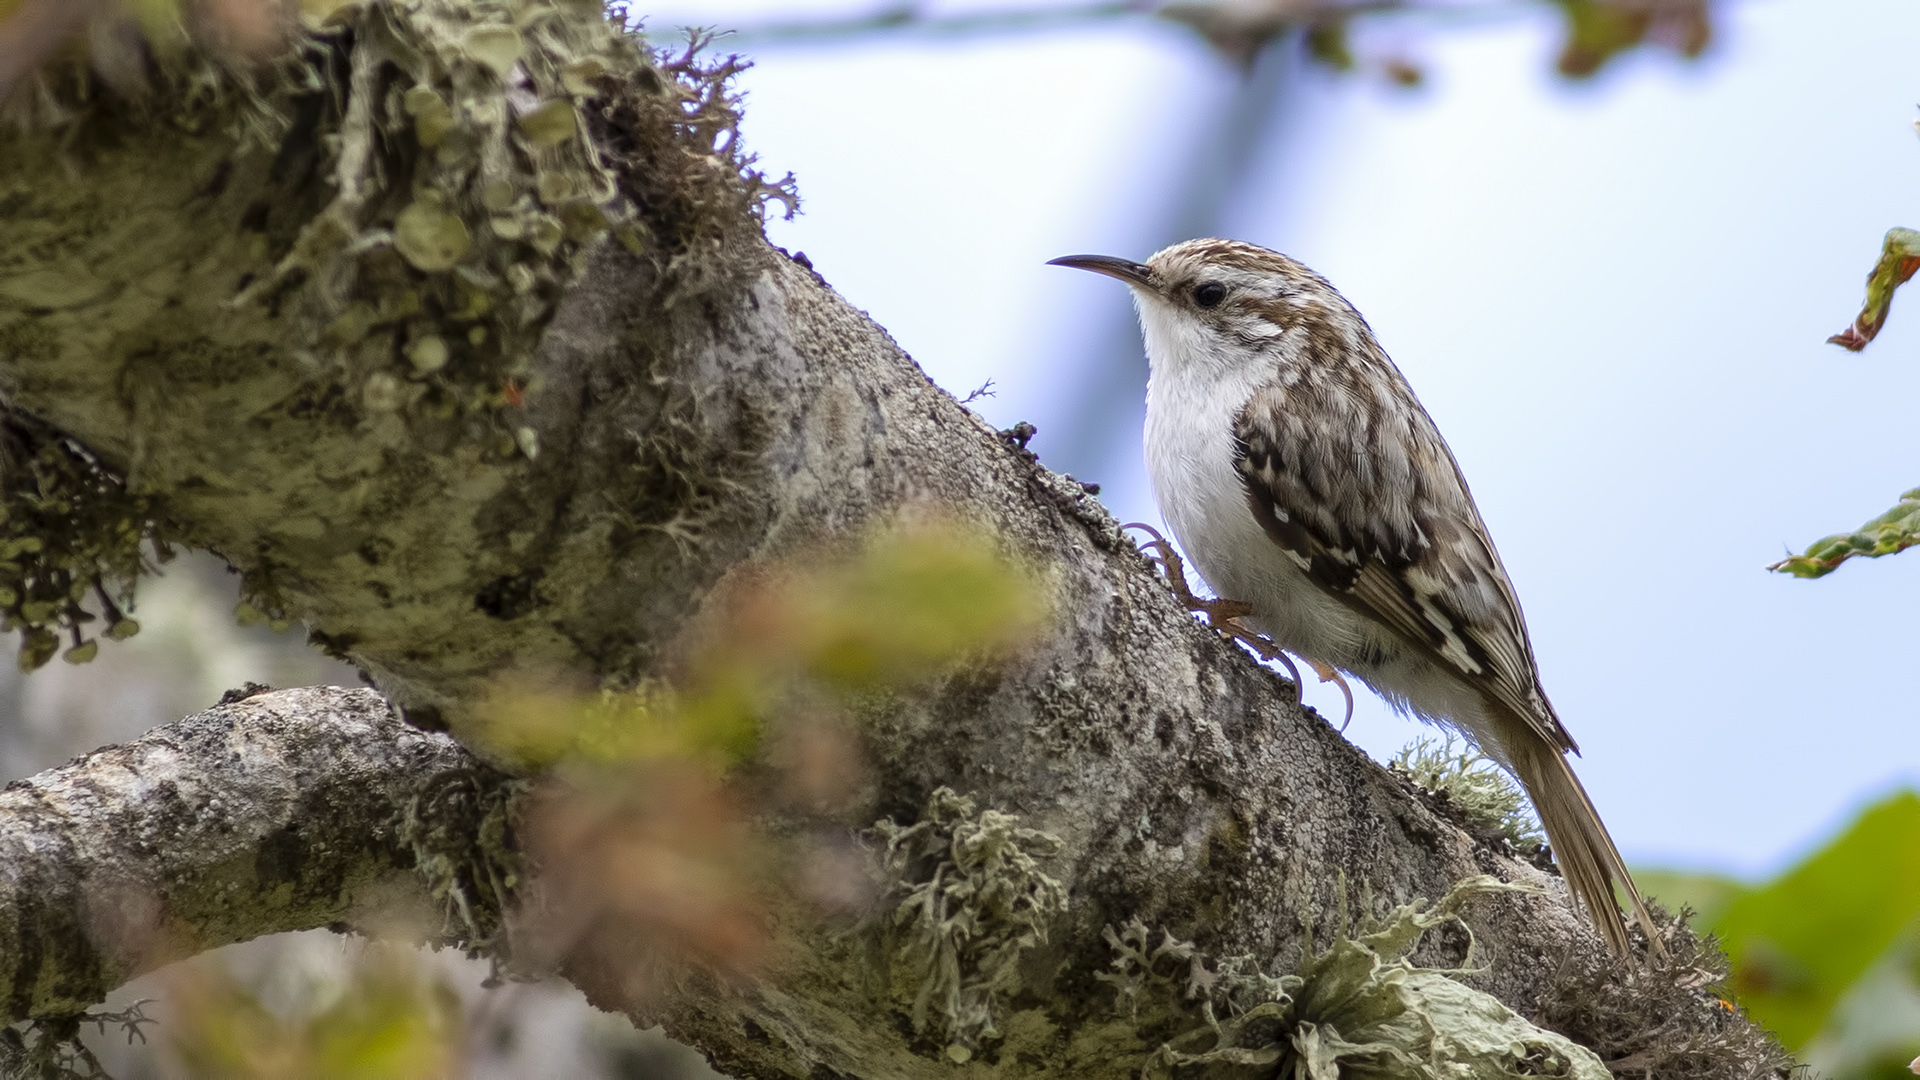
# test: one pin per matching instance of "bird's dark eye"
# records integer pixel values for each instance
(1209, 294)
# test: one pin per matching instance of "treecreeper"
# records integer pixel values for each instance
(1314, 494)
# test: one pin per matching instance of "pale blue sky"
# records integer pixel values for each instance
(1612, 296)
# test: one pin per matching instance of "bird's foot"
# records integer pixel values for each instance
(1225, 616)
(1218, 612)
(1174, 569)
(1267, 650)
(1328, 674)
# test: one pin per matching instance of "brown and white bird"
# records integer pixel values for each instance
(1302, 477)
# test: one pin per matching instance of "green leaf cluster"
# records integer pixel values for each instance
(1899, 258)
(1599, 30)
(1899, 528)
(1889, 534)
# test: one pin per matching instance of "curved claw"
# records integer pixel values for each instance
(1161, 546)
(1287, 662)
(1328, 674)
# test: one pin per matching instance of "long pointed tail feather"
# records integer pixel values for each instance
(1587, 857)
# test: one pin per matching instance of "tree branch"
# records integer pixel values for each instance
(378, 362)
(277, 812)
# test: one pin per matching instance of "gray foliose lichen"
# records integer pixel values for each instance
(1358, 1009)
(963, 897)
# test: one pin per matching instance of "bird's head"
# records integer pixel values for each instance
(1220, 302)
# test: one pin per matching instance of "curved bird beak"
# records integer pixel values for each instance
(1133, 273)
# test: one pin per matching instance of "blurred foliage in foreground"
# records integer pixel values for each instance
(641, 821)
(1339, 34)
(803, 637)
(391, 1019)
(1827, 955)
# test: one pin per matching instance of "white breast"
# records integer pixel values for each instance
(1191, 406)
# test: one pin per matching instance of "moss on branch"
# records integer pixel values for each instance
(296, 295)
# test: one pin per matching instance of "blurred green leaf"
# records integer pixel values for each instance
(1899, 258)
(1327, 43)
(398, 1021)
(1599, 30)
(1889, 534)
(912, 602)
(394, 1018)
(918, 599)
(1708, 895)
(1799, 942)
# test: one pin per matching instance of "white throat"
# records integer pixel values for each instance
(1195, 389)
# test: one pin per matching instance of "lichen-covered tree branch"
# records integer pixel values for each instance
(452, 328)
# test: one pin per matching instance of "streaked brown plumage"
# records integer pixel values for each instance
(1300, 473)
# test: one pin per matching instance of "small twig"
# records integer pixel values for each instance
(985, 389)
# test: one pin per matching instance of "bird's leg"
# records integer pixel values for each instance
(1264, 646)
(1225, 616)
(1222, 615)
(1218, 612)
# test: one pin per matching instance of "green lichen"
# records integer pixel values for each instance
(369, 228)
(72, 544)
(467, 192)
(964, 898)
(1470, 781)
(1358, 1009)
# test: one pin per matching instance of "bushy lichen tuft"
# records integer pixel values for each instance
(71, 544)
(462, 829)
(1471, 783)
(473, 154)
(675, 140)
(963, 898)
(390, 196)
(1674, 1021)
(1360, 1008)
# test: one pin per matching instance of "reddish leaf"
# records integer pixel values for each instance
(1899, 259)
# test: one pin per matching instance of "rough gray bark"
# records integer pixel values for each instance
(276, 812)
(701, 410)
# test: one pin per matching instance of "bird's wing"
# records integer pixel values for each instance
(1348, 474)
